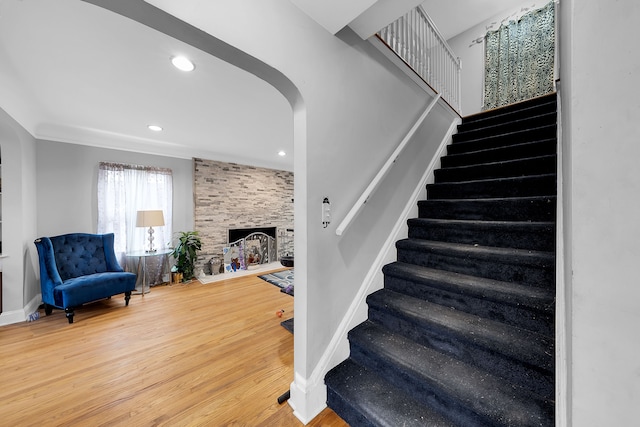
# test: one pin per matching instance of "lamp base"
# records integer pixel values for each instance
(151, 248)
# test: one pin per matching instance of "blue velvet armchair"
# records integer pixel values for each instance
(78, 268)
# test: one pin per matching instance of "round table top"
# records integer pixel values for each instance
(163, 251)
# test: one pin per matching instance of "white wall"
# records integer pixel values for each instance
(17, 148)
(599, 73)
(67, 177)
(469, 46)
(355, 109)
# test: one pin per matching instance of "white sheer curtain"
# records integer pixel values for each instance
(125, 189)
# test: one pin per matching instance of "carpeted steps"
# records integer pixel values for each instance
(509, 168)
(539, 236)
(539, 208)
(463, 331)
(519, 305)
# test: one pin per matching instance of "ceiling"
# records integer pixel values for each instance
(453, 17)
(74, 72)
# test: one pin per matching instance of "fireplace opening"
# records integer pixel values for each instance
(240, 233)
(250, 247)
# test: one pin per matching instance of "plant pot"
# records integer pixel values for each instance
(176, 277)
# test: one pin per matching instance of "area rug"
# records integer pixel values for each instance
(282, 279)
(287, 324)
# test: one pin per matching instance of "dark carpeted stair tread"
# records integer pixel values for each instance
(508, 341)
(502, 255)
(475, 155)
(520, 124)
(362, 398)
(538, 299)
(535, 268)
(503, 169)
(506, 115)
(515, 234)
(536, 208)
(532, 185)
(527, 307)
(461, 388)
(542, 132)
(507, 112)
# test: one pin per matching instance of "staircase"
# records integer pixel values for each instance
(462, 334)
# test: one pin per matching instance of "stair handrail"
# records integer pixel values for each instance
(373, 186)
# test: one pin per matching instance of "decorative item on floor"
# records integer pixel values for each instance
(287, 324)
(150, 218)
(186, 253)
(286, 247)
(282, 279)
(233, 254)
(215, 266)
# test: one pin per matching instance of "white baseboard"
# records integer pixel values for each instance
(17, 316)
(307, 400)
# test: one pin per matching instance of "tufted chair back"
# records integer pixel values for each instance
(78, 255)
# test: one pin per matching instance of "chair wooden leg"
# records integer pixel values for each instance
(127, 297)
(48, 309)
(69, 312)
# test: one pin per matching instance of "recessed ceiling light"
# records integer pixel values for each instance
(154, 128)
(281, 153)
(182, 63)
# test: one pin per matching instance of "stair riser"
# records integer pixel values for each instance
(514, 152)
(514, 109)
(426, 393)
(541, 275)
(534, 238)
(460, 146)
(469, 124)
(515, 168)
(544, 185)
(465, 134)
(437, 293)
(347, 412)
(540, 209)
(536, 379)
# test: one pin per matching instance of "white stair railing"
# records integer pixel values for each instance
(416, 40)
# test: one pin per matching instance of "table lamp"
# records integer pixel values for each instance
(150, 219)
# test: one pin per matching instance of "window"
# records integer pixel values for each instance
(123, 190)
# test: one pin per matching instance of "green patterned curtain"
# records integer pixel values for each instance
(519, 59)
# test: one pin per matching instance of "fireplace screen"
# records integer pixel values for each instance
(254, 249)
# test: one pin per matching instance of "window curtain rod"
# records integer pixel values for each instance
(121, 166)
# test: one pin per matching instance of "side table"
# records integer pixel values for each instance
(142, 266)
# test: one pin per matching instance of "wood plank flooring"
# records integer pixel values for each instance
(182, 355)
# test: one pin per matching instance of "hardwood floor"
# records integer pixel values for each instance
(182, 355)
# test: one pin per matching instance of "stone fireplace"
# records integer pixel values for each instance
(229, 196)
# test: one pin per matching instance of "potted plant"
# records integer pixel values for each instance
(186, 253)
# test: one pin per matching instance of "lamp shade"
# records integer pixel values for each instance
(153, 218)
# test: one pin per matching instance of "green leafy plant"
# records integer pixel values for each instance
(186, 253)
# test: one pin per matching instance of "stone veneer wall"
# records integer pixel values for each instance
(229, 195)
